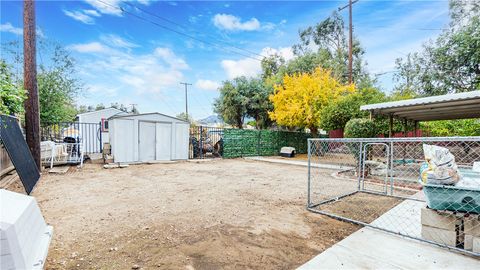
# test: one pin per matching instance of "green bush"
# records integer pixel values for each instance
(360, 128)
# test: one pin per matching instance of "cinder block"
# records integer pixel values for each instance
(476, 244)
(472, 226)
(440, 236)
(468, 242)
(435, 219)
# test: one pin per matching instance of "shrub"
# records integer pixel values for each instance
(360, 128)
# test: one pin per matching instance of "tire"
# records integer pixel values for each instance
(193, 148)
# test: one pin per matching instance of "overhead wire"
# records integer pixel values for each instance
(176, 31)
(186, 28)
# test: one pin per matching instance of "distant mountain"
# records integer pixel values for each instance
(211, 120)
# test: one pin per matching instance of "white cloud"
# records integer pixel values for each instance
(8, 27)
(110, 7)
(249, 67)
(207, 85)
(233, 23)
(92, 47)
(117, 41)
(119, 68)
(80, 16)
(285, 52)
(91, 12)
(169, 57)
(244, 67)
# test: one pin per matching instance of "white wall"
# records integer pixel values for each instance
(96, 117)
(171, 136)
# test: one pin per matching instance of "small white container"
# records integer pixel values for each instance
(24, 235)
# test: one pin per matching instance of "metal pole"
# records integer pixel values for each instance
(32, 114)
(350, 40)
(186, 98)
(390, 126)
(350, 43)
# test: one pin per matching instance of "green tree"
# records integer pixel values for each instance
(337, 114)
(184, 116)
(451, 62)
(326, 45)
(242, 97)
(11, 94)
(231, 105)
(58, 86)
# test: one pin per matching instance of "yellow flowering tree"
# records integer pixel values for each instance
(299, 100)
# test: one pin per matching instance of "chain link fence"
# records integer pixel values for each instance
(378, 183)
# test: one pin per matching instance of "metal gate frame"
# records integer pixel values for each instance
(360, 167)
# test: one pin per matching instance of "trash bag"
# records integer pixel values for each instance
(439, 167)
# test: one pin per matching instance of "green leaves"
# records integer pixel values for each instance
(12, 94)
(360, 128)
(242, 97)
(450, 63)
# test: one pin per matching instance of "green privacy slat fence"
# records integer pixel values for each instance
(245, 142)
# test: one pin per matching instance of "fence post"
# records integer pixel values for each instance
(309, 173)
(200, 143)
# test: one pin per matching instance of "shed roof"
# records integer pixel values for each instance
(444, 107)
(102, 110)
(142, 114)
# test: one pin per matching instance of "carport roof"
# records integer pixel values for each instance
(445, 107)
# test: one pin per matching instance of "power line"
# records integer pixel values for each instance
(185, 27)
(176, 31)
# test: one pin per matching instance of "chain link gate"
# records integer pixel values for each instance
(376, 183)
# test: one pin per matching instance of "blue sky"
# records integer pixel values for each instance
(122, 58)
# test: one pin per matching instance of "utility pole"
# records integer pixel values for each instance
(186, 98)
(350, 38)
(32, 115)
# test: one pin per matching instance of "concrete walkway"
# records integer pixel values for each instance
(373, 249)
(300, 163)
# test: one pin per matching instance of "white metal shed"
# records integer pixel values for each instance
(148, 137)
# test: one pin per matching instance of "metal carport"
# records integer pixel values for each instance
(445, 107)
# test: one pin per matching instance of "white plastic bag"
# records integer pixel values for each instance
(441, 168)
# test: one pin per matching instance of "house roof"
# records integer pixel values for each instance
(141, 114)
(445, 107)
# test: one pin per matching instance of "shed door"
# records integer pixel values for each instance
(146, 141)
(164, 141)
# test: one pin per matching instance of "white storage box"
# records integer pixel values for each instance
(24, 235)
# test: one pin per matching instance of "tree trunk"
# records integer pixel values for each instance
(314, 131)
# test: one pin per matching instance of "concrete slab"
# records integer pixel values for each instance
(59, 169)
(300, 163)
(371, 249)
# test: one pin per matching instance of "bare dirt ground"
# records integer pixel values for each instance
(209, 215)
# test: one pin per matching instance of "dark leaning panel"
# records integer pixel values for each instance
(17, 148)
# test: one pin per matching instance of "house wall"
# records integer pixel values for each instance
(96, 117)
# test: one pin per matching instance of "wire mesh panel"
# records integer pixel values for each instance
(422, 188)
(205, 142)
(88, 134)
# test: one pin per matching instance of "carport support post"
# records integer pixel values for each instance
(390, 126)
(415, 128)
(405, 129)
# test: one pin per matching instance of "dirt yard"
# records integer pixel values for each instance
(209, 215)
